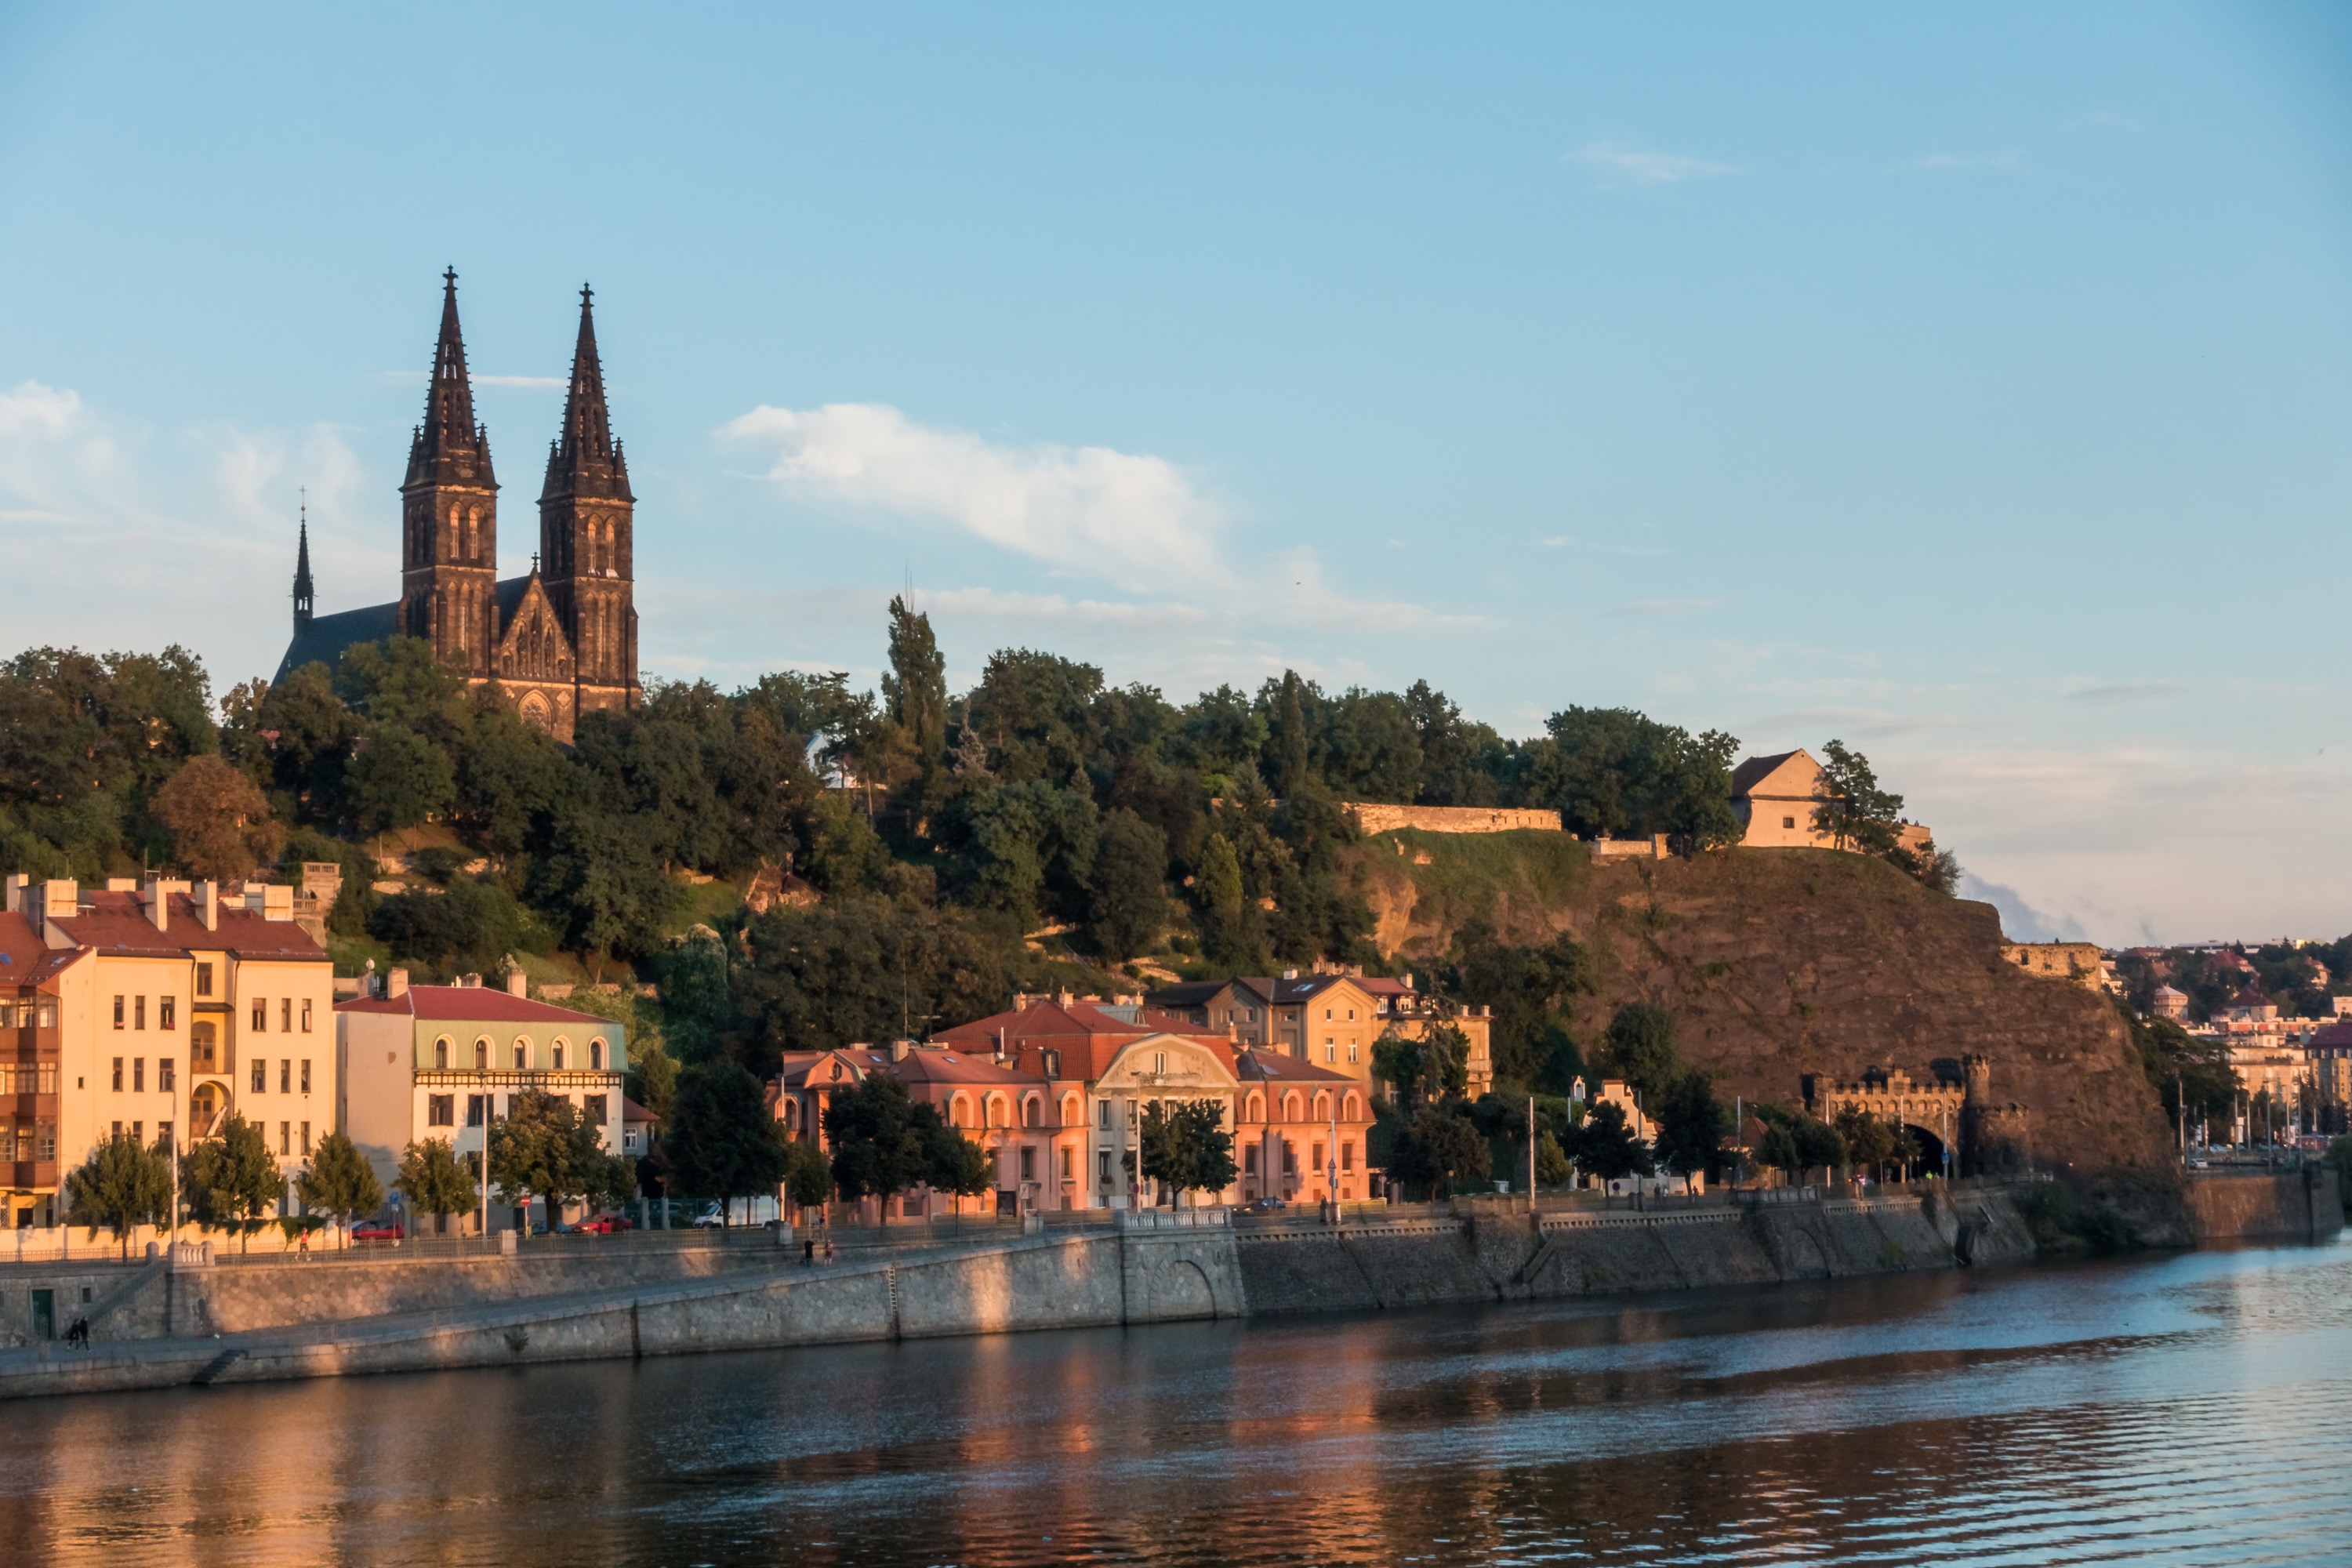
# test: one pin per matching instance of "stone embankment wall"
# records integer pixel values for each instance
(1376, 819)
(2306, 1204)
(302, 1318)
(233, 1324)
(1506, 1254)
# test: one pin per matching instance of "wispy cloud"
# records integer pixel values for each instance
(1942, 161)
(1136, 519)
(2120, 694)
(124, 537)
(1623, 164)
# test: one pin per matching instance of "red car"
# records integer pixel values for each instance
(602, 1224)
(377, 1230)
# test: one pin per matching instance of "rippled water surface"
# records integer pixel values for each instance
(2192, 1410)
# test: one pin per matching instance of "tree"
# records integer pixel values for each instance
(1439, 1146)
(1869, 1142)
(1613, 773)
(721, 1140)
(1185, 1146)
(952, 1162)
(231, 1179)
(1127, 906)
(434, 1181)
(1552, 1168)
(1643, 1048)
(1794, 1142)
(915, 702)
(808, 1178)
(1852, 811)
(221, 827)
(1606, 1146)
(398, 779)
(877, 1132)
(1692, 1126)
(1530, 990)
(546, 1147)
(697, 1003)
(1431, 1068)
(122, 1186)
(340, 1181)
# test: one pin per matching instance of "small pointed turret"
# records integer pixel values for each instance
(450, 444)
(304, 600)
(585, 460)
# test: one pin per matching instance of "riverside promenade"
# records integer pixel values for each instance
(176, 1320)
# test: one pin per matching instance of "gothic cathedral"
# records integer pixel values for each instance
(560, 642)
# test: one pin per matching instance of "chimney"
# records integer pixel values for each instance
(158, 902)
(58, 899)
(1408, 979)
(396, 984)
(1021, 1001)
(899, 1049)
(471, 980)
(17, 882)
(205, 895)
(518, 983)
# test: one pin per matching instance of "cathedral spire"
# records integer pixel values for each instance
(304, 599)
(449, 445)
(583, 459)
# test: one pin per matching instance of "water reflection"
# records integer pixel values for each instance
(2188, 1410)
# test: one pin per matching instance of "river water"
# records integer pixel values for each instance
(2192, 1409)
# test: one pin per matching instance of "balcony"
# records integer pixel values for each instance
(31, 1175)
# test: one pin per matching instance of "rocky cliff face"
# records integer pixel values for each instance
(1781, 963)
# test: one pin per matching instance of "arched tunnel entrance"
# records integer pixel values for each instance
(1928, 1159)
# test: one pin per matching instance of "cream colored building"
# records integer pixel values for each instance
(1775, 797)
(173, 1005)
(435, 1061)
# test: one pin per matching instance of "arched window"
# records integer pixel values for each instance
(1322, 1108)
(996, 1110)
(1349, 1110)
(1257, 1109)
(1029, 1112)
(521, 1053)
(559, 1053)
(959, 1113)
(792, 1114)
(441, 1052)
(1072, 1112)
(596, 1055)
(1290, 1108)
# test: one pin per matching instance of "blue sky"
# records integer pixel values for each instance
(1970, 385)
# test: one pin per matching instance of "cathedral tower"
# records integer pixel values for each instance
(450, 513)
(585, 514)
(305, 599)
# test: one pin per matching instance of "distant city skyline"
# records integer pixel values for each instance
(1970, 387)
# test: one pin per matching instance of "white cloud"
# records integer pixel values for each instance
(1134, 518)
(122, 539)
(1630, 165)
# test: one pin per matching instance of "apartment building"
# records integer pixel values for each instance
(441, 1061)
(156, 1009)
(1330, 1020)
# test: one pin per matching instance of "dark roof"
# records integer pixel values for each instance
(2339, 1033)
(118, 923)
(510, 591)
(449, 447)
(1752, 772)
(1264, 1067)
(1191, 994)
(325, 639)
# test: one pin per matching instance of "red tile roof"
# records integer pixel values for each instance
(118, 923)
(468, 1004)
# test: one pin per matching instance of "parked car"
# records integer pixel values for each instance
(602, 1224)
(377, 1230)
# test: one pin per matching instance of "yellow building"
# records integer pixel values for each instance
(1331, 1021)
(1775, 797)
(155, 1010)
